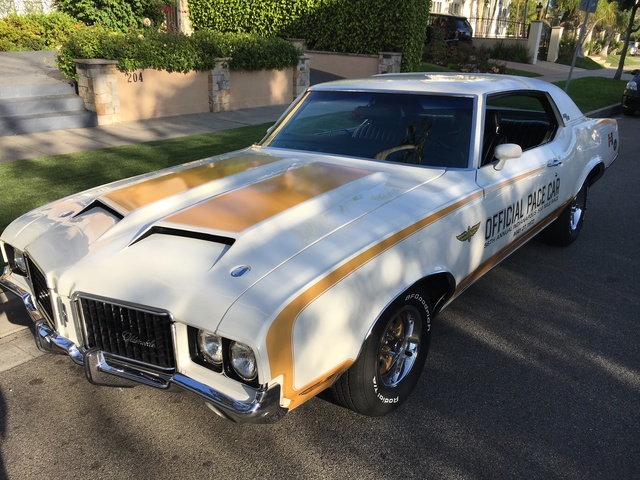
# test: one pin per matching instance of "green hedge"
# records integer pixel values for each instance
(121, 15)
(175, 52)
(347, 26)
(35, 31)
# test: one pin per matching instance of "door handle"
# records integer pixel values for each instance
(554, 163)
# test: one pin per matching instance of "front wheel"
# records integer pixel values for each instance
(565, 229)
(391, 360)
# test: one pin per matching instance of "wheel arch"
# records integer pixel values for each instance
(439, 287)
(595, 174)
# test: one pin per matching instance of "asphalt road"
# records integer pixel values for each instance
(533, 373)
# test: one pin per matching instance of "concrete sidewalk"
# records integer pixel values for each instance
(57, 142)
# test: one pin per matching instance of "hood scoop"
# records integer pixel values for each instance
(176, 232)
(97, 205)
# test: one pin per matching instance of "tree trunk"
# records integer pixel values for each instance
(627, 37)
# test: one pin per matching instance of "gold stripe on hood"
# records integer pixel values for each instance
(135, 196)
(240, 209)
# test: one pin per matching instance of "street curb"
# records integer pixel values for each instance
(606, 112)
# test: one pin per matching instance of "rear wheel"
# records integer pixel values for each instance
(391, 360)
(565, 229)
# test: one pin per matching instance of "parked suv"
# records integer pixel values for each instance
(455, 28)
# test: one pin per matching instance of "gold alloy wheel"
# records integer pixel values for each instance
(399, 346)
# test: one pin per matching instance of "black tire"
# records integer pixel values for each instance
(565, 229)
(628, 111)
(391, 360)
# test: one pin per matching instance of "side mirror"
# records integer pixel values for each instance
(504, 152)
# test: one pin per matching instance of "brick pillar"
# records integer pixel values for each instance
(219, 86)
(301, 74)
(389, 62)
(98, 87)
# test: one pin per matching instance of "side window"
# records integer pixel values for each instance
(525, 118)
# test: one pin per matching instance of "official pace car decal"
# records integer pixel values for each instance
(521, 215)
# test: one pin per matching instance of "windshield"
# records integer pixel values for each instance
(423, 130)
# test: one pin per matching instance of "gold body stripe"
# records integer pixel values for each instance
(242, 208)
(135, 196)
(280, 334)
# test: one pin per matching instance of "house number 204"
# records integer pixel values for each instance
(134, 77)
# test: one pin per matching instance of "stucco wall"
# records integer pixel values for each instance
(260, 88)
(153, 93)
(344, 65)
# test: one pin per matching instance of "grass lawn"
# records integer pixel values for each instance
(591, 93)
(629, 61)
(581, 62)
(27, 184)
(521, 73)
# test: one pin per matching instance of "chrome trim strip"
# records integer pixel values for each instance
(103, 369)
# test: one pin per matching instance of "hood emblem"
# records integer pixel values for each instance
(240, 270)
(470, 232)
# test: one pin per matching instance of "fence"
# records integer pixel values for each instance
(499, 26)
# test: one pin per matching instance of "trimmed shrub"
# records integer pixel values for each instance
(35, 31)
(175, 52)
(511, 52)
(346, 26)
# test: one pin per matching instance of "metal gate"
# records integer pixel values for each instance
(545, 38)
(171, 15)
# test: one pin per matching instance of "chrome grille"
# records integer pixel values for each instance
(41, 292)
(133, 333)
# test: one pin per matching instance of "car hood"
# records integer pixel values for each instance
(186, 238)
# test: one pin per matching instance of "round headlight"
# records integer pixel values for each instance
(19, 261)
(243, 361)
(210, 347)
(633, 86)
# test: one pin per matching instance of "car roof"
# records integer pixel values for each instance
(457, 84)
(445, 83)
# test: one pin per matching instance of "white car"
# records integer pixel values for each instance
(317, 258)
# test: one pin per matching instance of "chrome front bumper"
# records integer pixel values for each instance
(104, 369)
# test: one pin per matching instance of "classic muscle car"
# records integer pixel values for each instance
(317, 258)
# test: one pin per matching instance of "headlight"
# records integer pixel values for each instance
(16, 259)
(243, 361)
(19, 261)
(210, 346)
(632, 86)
